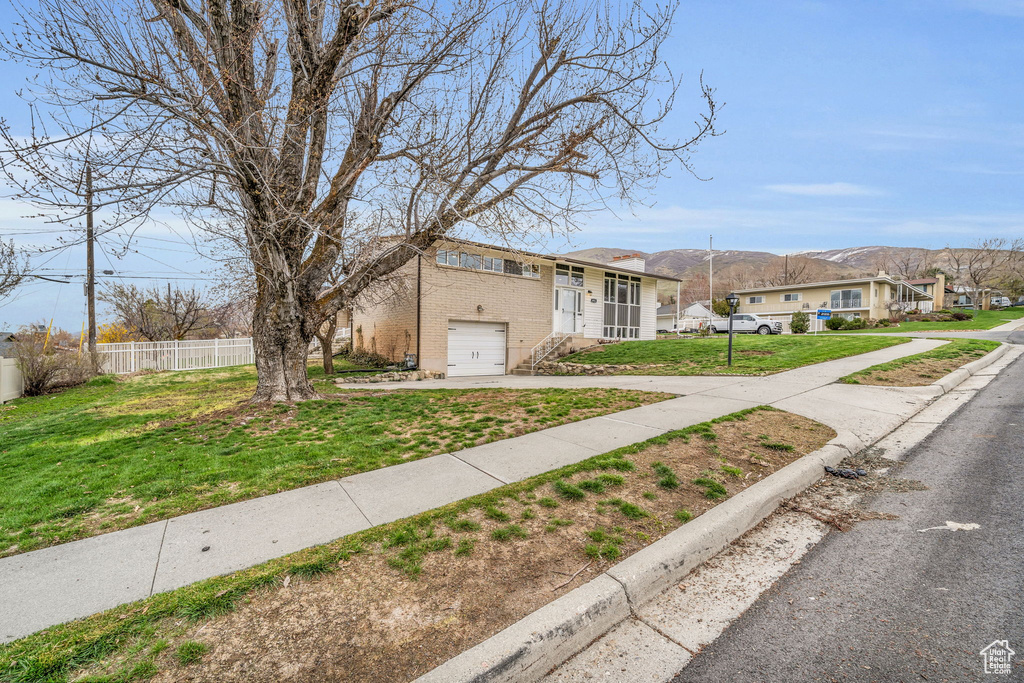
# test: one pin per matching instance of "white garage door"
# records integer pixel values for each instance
(476, 349)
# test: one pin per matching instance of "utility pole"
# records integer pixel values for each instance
(90, 267)
(711, 275)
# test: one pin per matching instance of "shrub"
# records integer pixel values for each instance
(855, 324)
(961, 315)
(884, 322)
(368, 359)
(44, 368)
(800, 323)
(925, 319)
(834, 323)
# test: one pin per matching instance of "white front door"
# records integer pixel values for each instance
(475, 348)
(569, 308)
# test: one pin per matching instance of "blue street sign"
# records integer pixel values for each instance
(824, 314)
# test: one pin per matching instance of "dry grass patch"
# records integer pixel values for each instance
(416, 593)
(923, 368)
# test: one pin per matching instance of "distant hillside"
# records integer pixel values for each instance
(686, 263)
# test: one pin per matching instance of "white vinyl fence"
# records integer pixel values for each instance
(11, 382)
(192, 354)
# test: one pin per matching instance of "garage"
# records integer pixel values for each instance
(475, 348)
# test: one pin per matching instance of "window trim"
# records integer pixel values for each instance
(751, 300)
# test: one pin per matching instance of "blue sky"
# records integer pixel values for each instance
(847, 124)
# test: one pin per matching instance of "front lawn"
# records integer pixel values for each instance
(923, 368)
(751, 355)
(390, 603)
(122, 452)
(983, 320)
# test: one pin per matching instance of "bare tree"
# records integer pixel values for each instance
(794, 270)
(13, 266)
(980, 266)
(157, 314)
(306, 132)
(908, 264)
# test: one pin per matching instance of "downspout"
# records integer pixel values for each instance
(419, 270)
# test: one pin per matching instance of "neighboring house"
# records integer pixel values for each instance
(667, 317)
(6, 344)
(936, 287)
(465, 308)
(963, 297)
(869, 297)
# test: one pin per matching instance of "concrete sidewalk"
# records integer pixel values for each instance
(54, 585)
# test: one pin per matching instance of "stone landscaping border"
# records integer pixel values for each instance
(528, 649)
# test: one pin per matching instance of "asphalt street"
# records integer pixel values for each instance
(909, 599)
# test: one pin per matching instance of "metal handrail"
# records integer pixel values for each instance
(546, 346)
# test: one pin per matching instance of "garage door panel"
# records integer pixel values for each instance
(476, 348)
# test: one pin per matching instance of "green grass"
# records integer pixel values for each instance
(61, 651)
(190, 652)
(983, 320)
(709, 356)
(959, 350)
(115, 454)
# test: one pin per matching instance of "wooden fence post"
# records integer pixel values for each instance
(131, 362)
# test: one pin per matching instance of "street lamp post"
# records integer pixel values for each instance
(732, 300)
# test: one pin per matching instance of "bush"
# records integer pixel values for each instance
(800, 323)
(884, 322)
(834, 323)
(368, 359)
(45, 368)
(855, 324)
(961, 315)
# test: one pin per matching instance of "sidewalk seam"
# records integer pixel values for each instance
(482, 471)
(354, 503)
(159, 552)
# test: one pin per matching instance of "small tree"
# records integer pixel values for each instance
(720, 308)
(44, 367)
(157, 314)
(800, 323)
(13, 266)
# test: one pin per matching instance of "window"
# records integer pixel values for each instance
(564, 275)
(845, 298)
(491, 265)
(621, 306)
(755, 299)
(791, 297)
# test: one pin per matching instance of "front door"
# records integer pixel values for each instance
(570, 309)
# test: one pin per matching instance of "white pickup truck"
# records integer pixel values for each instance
(747, 323)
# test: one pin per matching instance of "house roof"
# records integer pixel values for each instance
(561, 259)
(667, 309)
(831, 283)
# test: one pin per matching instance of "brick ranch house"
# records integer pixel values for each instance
(465, 308)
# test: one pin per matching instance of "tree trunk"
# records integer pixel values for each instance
(326, 339)
(281, 346)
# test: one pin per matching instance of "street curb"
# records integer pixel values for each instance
(529, 648)
(961, 374)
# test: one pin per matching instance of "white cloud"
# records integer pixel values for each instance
(825, 190)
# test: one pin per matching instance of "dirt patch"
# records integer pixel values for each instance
(916, 374)
(370, 620)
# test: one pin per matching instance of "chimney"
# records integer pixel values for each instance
(882, 273)
(635, 262)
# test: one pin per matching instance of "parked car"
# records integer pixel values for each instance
(747, 323)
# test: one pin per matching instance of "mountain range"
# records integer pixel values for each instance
(833, 264)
